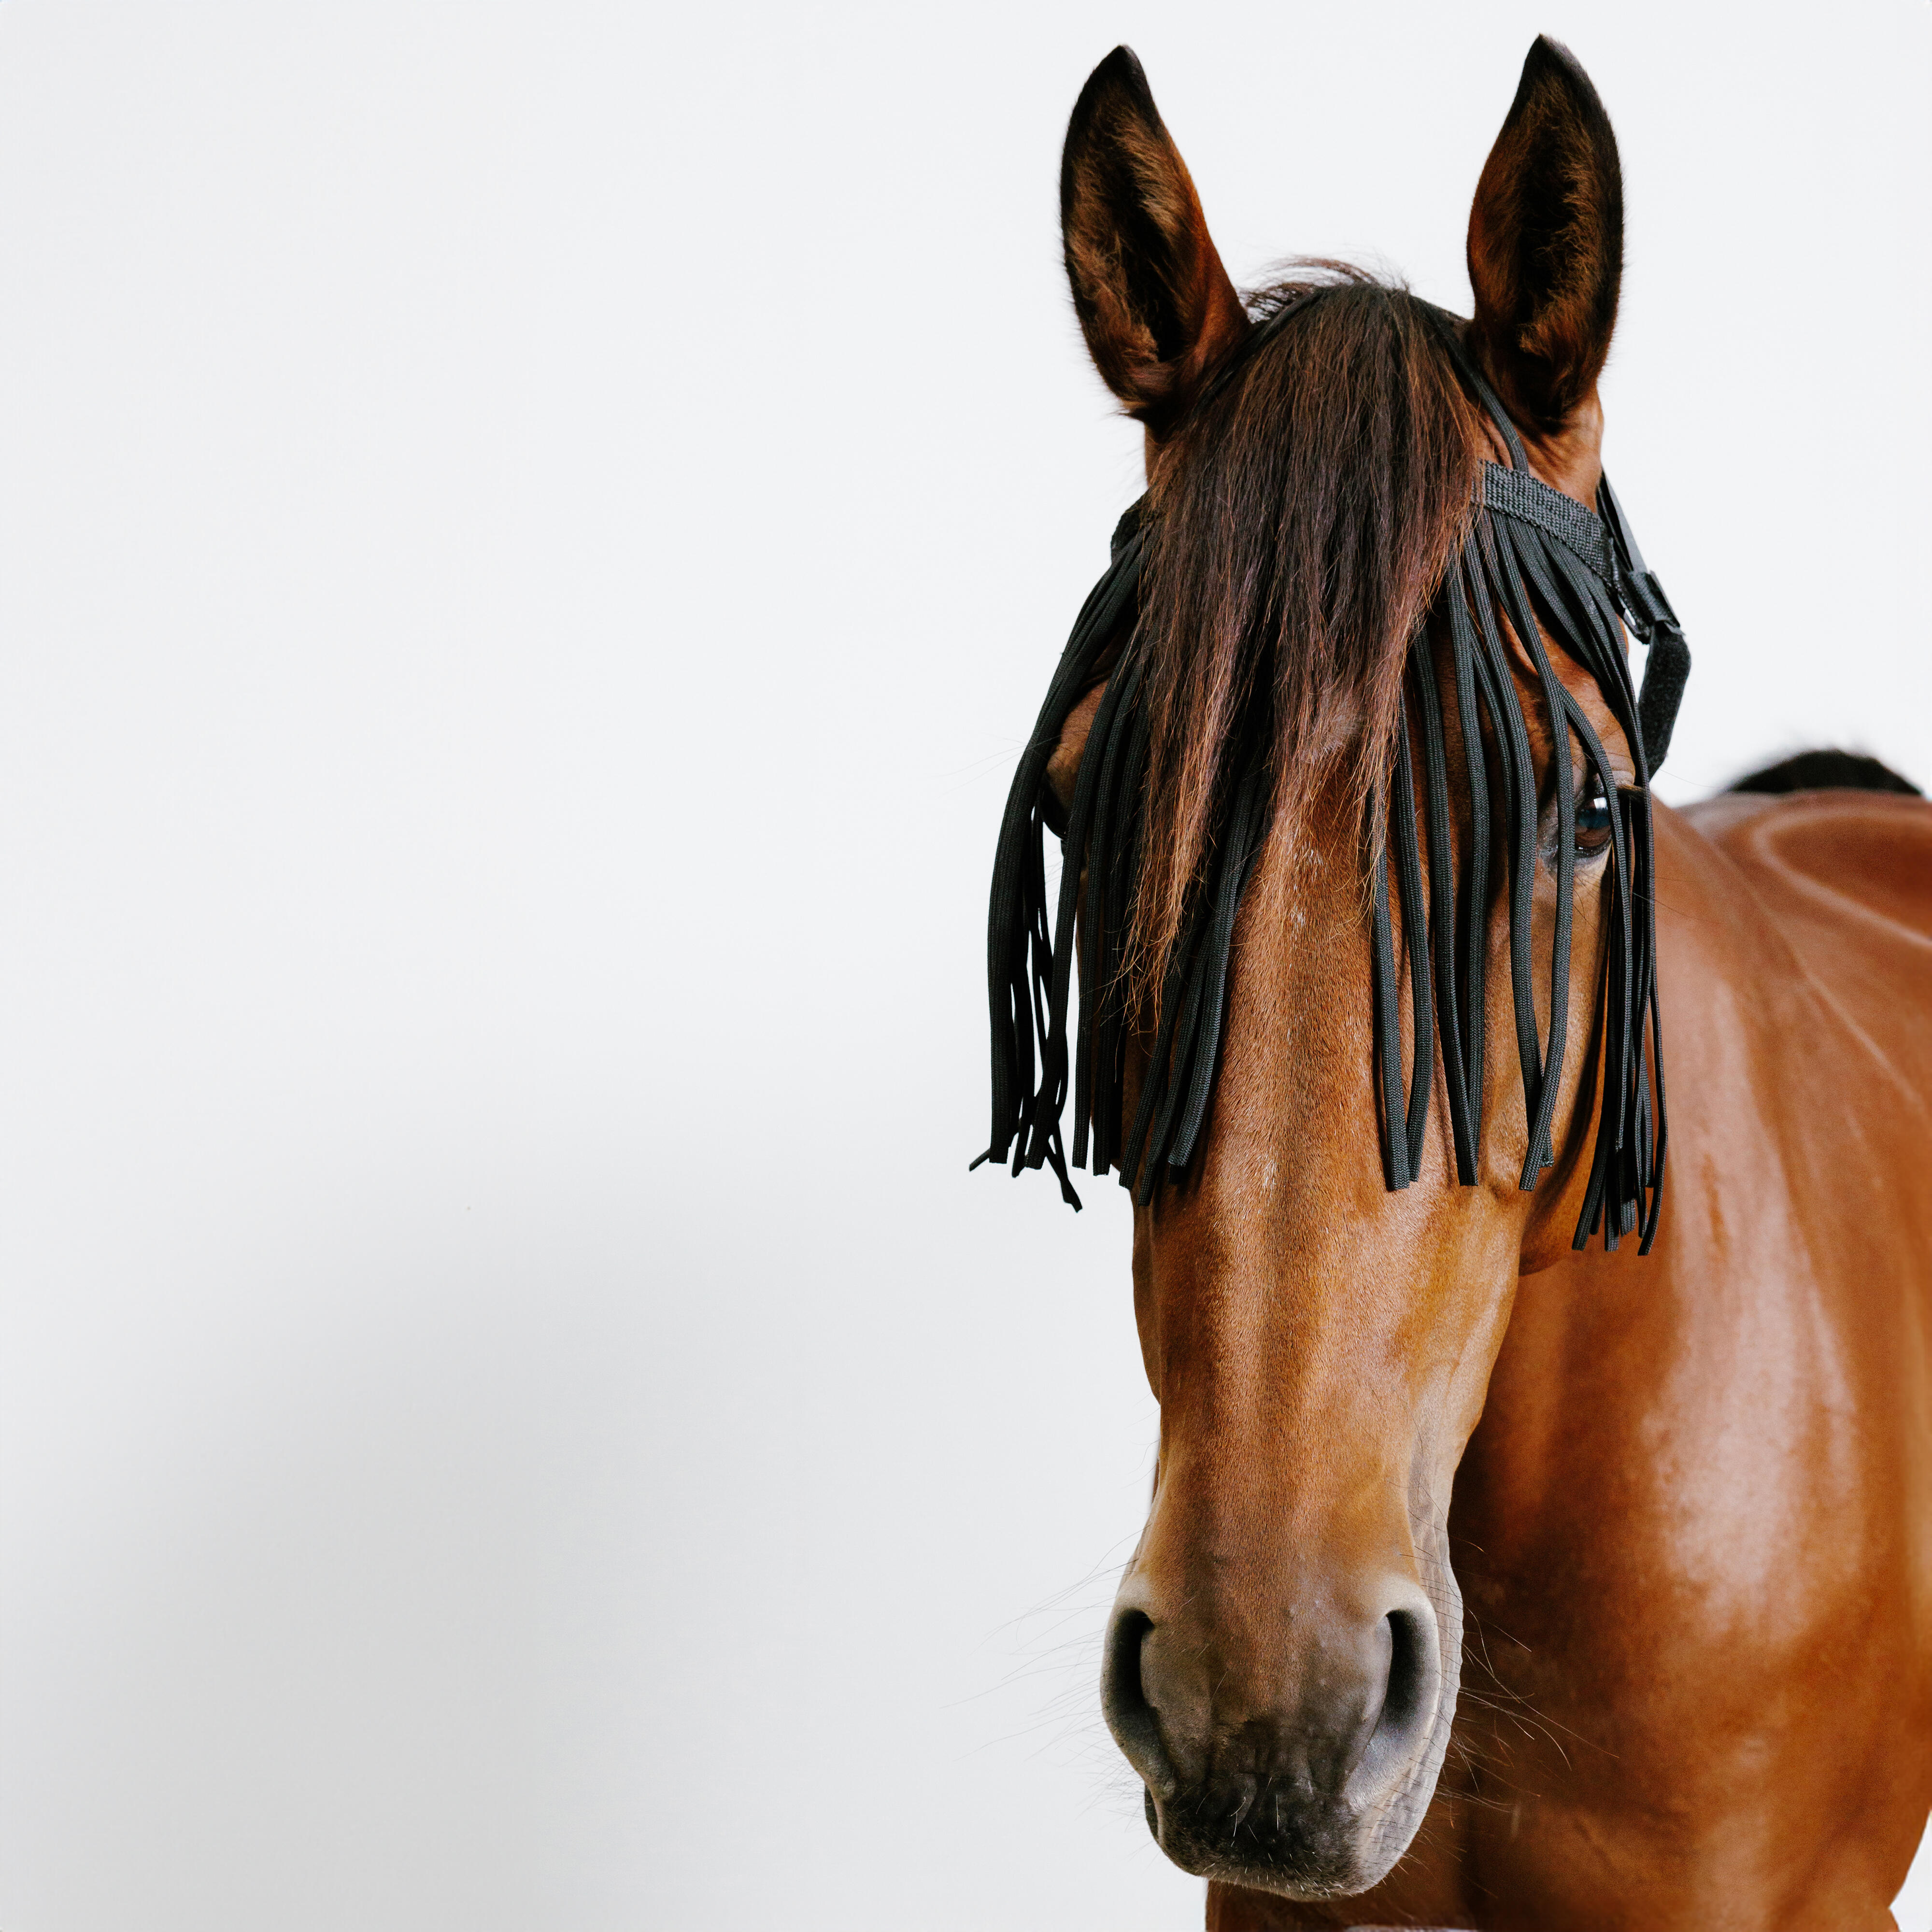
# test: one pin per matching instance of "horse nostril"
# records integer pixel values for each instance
(1132, 1719)
(1122, 1691)
(1407, 1695)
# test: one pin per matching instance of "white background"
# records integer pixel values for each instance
(531, 538)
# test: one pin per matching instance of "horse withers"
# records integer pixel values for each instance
(1529, 1548)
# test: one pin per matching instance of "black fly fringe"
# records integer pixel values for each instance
(1528, 572)
(1534, 559)
(1027, 972)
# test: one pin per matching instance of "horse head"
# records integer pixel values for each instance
(1343, 801)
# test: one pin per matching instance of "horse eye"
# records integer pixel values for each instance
(1593, 823)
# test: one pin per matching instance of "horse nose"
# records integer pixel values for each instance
(1276, 1761)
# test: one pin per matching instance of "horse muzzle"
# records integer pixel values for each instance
(1301, 1766)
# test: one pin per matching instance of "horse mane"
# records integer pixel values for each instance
(1827, 770)
(1300, 524)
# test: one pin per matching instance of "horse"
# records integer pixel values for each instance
(1491, 1578)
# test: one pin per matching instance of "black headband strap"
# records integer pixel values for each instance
(1516, 492)
(1604, 544)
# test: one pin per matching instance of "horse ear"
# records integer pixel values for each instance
(1154, 302)
(1546, 240)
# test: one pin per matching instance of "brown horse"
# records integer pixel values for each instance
(1666, 1520)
